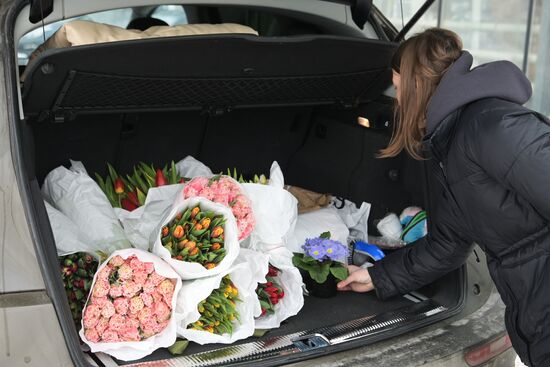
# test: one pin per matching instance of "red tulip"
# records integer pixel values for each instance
(128, 204)
(272, 272)
(119, 186)
(132, 196)
(160, 180)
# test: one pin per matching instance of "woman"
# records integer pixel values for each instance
(492, 158)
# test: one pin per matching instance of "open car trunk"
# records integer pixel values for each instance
(239, 101)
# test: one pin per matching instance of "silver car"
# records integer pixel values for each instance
(292, 94)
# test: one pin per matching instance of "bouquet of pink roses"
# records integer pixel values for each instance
(226, 191)
(129, 312)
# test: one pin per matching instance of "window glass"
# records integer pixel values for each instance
(392, 10)
(30, 41)
(171, 14)
(491, 30)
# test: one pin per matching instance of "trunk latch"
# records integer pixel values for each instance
(310, 341)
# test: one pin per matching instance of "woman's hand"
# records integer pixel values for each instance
(357, 281)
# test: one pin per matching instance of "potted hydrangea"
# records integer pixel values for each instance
(322, 264)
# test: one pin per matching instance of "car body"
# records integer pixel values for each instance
(32, 333)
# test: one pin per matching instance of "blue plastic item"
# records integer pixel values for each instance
(363, 251)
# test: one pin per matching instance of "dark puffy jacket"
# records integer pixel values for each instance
(492, 157)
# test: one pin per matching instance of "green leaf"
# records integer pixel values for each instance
(300, 263)
(339, 272)
(258, 333)
(148, 170)
(297, 259)
(325, 235)
(173, 173)
(127, 184)
(320, 274)
(178, 347)
(213, 179)
(309, 260)
(141, 197)
(100, 181)
(112, 172)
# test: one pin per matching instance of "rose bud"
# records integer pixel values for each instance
(160, 180)
(119, 186)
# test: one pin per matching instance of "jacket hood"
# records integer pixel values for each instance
(461, 85)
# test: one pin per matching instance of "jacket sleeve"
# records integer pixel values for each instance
(516, 153)
(442, 250)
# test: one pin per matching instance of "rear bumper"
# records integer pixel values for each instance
(441, 344)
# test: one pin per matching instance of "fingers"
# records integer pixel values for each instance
(344, 283)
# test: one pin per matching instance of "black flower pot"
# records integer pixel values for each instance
(321, 290)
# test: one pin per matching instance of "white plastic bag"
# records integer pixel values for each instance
(276, 178)
(140, 224)
(190, 167)
(191, 270)
(247, 271)
(127, 351)
(66, 234)
(276, 211)
(80, 198)
(312, 224)
(356, 219)
(290, 280)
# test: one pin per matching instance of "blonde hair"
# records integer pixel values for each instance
(421, 62)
